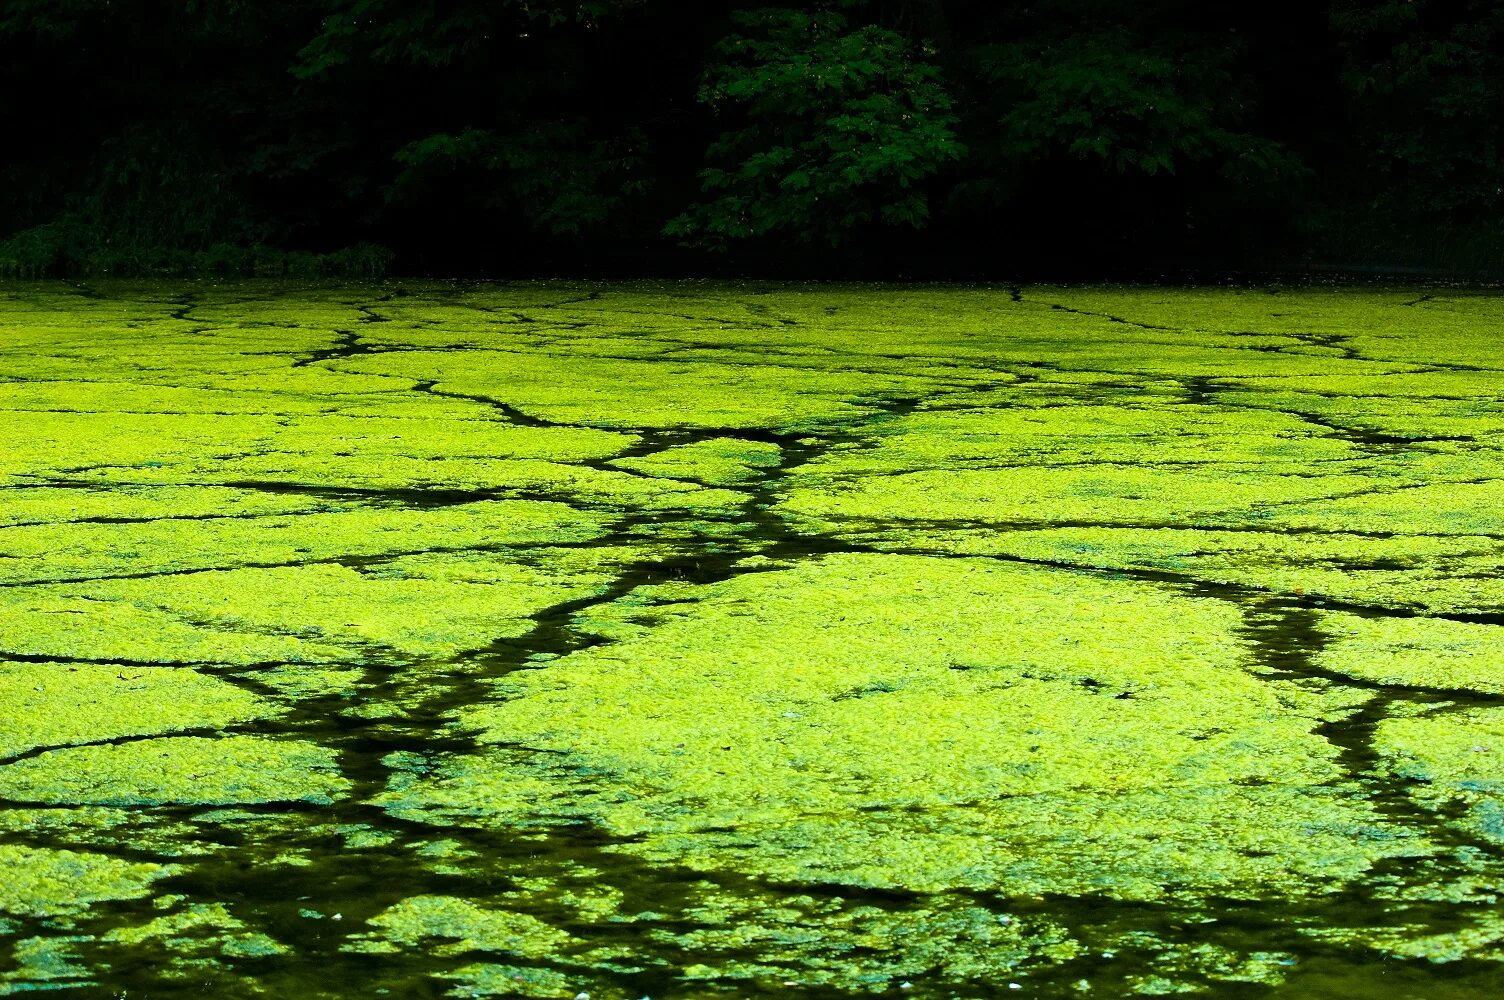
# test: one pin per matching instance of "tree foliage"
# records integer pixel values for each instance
(828, 128)
(1427, 81)
(498, 134)
(1128, 91)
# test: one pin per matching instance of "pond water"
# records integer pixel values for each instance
(693, 640)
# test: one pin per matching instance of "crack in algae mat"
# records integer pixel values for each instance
(728, 641)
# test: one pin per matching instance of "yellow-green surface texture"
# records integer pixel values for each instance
(712, 640)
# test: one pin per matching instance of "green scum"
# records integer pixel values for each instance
(730, 640)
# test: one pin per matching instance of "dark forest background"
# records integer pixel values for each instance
(923, 138)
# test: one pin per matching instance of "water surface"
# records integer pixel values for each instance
(702, 640)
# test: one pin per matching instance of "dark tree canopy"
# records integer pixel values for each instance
(829, 128)
(844, 137)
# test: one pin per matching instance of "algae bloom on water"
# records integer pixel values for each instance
(701, 640)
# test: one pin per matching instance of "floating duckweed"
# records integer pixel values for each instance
(489, 980)
(1452, 758)
(562, 639)
(723, 720)
(187, 769)
(715, 461)
(53, 705)
(945, 938)
(399, 605)
(72, 623)
(200, 929)
(90, 551)
(42, 882)
(630, 393)
(1422, 652)
(462, 926)
(45, 963)
(57, 504)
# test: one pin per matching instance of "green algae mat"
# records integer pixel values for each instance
(726, 641)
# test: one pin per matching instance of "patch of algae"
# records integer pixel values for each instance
(413, 604)
(1446, 759)
(55, 504)
(197, 932)
(831, 943)
(90, 396)
(52, 443)
(1478, 936)
(485, 435)
(302, 681)
(461, 926)
(491, 979)
(1149, 434)
(1418, 652)
(579, 484)
(1418, 385)
(43, 882)
(1452, 758)
(74, 623)
(1433, 573)
(181, 769)
(1180, 968)
(45, 963)
(716, 461)
(1420, 326)
(955, 730)
(626, 393)
(427, 449)
(114, 827)
(934, 724)
(87, 551)
(1444, 508)
(1107, 494)
(1405, 417)
(51, 705)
